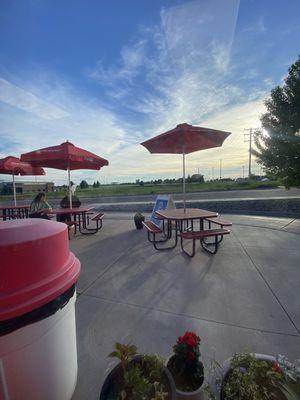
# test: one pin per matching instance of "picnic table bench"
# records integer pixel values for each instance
(70, 224)
(78, 218)
(193, 235)
(153, 230)
(186, 231)
(218, 221)
(98, 218)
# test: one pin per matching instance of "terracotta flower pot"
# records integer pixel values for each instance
(197, 394)
(116, 374)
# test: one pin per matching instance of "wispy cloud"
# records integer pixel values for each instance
(258, 26)
(130, 62)
(177, 71)
(86, 123)
(24, 100)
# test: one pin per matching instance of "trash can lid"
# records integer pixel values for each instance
(36, 265)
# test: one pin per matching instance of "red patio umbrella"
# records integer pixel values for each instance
(65, 156)
(185, 139)
(14, 166)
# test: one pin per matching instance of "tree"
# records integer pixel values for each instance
(197, 178)
(84, 185)
(279, 150)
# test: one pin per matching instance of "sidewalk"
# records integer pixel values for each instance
(243, 298)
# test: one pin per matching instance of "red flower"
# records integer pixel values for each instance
(276, 367)
(190, 338)
(190, 356)
(180, 340)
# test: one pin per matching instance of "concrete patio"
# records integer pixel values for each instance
(246, 297)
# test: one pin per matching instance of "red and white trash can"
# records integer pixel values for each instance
(38, 274)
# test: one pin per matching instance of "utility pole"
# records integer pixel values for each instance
(243, 174)
(248, 138)
(220, 168)
(213, 173)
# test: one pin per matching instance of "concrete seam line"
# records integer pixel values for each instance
(266, 227)
(268, 285)
(190, 316)
(289, 223)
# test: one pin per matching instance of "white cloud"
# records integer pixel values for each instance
(200, 31)
(131, 60)
(17, 97)
(184, 65)
(87, 124)
(95, 128)
(258, 26)
(234, 152)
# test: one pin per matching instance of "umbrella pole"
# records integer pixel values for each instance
(14, 189)
(70, 192)
(183, 162)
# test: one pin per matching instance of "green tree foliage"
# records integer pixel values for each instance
(196, 178)
(279, 150)
(84, 185)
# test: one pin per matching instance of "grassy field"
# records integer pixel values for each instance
(133, 189)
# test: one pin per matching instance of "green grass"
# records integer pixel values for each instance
(133, 189)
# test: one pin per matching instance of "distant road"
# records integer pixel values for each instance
(217, 195)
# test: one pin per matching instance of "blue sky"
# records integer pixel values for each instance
(107, 75)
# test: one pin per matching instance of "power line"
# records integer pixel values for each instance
(248, 139)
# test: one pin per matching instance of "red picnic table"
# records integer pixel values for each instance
(11, 211)
(182, 221)
(80, 218)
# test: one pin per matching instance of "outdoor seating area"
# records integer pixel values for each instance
(150, 200)
(244, 297)
(9, 211)
(83, 219)
(183, 223)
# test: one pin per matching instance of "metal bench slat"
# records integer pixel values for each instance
(97, 217)
(202, 234)
(151, 227)
(219, 221)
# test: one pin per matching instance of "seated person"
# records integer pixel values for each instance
(39, 207)
(65, 203)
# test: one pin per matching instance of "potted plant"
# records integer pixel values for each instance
(138, 219)
(251, 376)
(137, 377)
(186, 368)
